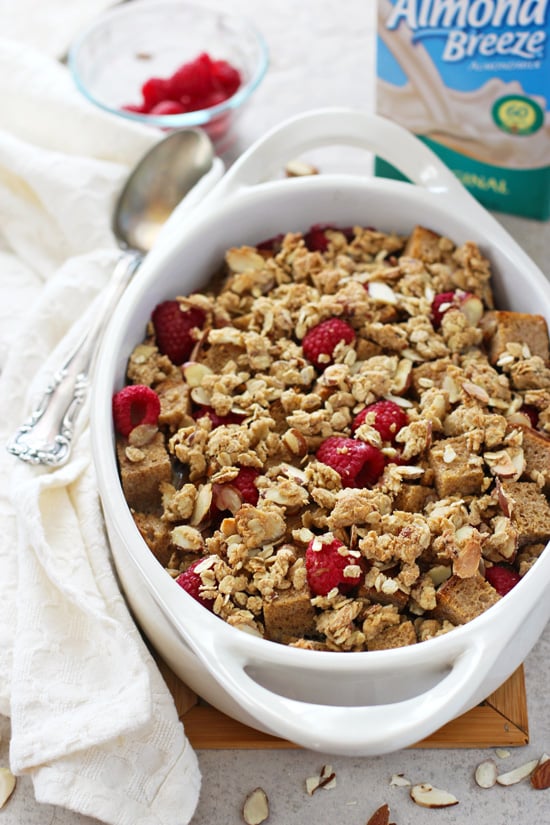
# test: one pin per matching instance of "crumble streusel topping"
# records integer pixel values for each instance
(252, 485)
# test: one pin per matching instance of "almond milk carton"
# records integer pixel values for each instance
(471, 78)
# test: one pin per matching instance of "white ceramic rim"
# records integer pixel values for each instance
(476, 645)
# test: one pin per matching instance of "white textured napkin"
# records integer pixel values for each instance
(92, 721)
(48, 25)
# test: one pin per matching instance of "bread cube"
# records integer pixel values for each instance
(289, 616)
(142, 469)
(156, 534)
(457, 470)
(400, 635)
(536, 451)
(506, 327)
(529, 511)
(461, 600)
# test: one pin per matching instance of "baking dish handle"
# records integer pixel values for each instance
(353, 730)
(335, 126)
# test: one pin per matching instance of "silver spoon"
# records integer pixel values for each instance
(152, 191)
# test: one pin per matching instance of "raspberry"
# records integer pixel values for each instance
(226, 77)
(357, 463)
(469, 304)
(231, 495)
(326, 563)
(153, 91)
(272, 244)
(167, 107)
(191, 583)
(532, 414)
(173, 329)
(320, 342)
(193, 79)
(388, 418)
(316, 239)
(133, 107)
(135, 405)
(213, 99)
(244, 482)
(502, 578)
(218, 420)
(440, 304)
(198, 84)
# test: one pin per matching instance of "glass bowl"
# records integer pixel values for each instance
(123, 48)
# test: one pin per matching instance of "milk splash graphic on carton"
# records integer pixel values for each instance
(471, 78)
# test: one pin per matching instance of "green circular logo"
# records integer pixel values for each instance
(517, 115)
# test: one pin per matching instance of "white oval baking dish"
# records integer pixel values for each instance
(343, 703)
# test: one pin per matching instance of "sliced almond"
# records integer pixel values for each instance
(427, 796)
(402, 378)
(451, 388)
(381, 816)
(256, 807)
(486, 774)
(202, 505)
(312, 783)
(194, 373)
(227, 497)
(201, 396)
(540, 778)
(399, 400)
(295, 441)
(226, 335)
(299, 169)
(142, 434)
(409, 471)
(187, 537)
(506, 463)
(7, 785)
(400, 780)
(326, 779)
(241, 259)
(518, 417)
(469, 552)
(382, 293)
(472, 308)
(439, 574)
(475, 391)
(504, 499)
(449, 454)
(515, 776)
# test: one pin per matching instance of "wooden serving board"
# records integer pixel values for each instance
(500, 721)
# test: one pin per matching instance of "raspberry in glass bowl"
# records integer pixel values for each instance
(170, 64)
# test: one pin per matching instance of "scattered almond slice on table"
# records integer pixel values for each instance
(381, 816)
(256, 807)
(400, 780)
(427, 796)
(517, 774)
(540, 778)
(486, 774)
(326, 779)
(7, 785)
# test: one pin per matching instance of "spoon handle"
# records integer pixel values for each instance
(46, 437)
